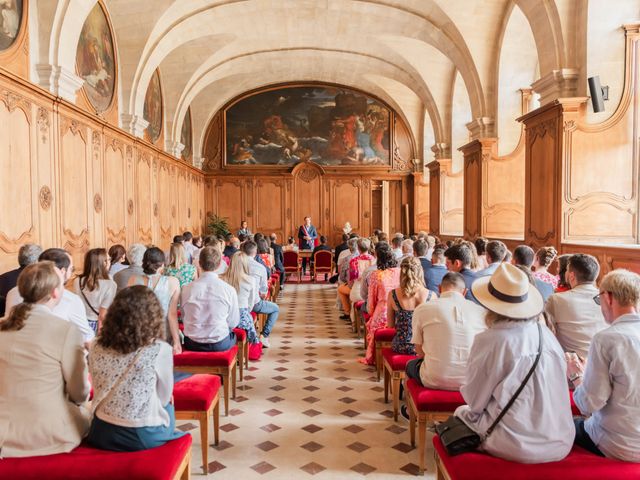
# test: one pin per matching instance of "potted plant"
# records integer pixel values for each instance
(217, 225)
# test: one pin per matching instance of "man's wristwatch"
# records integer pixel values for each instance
(574, 376)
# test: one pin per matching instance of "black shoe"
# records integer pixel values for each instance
(345, 317)
(404, 412)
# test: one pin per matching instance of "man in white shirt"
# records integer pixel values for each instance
(443, 332)
(407, 248)
(396, 243)
(573, 315)
(189, 247)
(70, 307)
(210, 308)
(608, 388)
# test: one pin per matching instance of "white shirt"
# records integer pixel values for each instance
(397, 252)
(190, 249)
(446, 327)
(248, 295)
(210, 309)
(101, 297)
(70, 308)
(576, 317)
(538, 427)
(258, 271)
(115, 268)
(610, 390)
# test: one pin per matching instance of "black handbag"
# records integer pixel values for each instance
(457, 437)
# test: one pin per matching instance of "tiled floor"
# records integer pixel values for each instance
(308, 408)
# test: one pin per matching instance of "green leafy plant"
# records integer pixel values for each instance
(217, 225)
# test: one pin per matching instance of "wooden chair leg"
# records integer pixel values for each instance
(378, 360)
(204, 438)
(395, 391)
(216, 420)
(422, 436)
(233, 381)
(386, 385)
(225, 385)
(241, 359)
(246, 354)
(186, 473)
(412, 426)
(357, 323)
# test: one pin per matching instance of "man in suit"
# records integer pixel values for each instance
(340, 248)
(27, 255)
(278, 257)
(307, 235)
(244, 229)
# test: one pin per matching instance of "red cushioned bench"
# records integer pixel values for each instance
(394, 365)
(382, 339)
(214, 363)
(579, 464)
(168, 462)
(428, 405)
(197, 398)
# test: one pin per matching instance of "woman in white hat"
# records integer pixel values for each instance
(538, 427)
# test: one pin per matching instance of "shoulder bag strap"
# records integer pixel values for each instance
(117, 383)
(86, 299)
(522, 385)
(395, 299)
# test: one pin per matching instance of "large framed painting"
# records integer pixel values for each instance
(95, 59)
(153, 107)
(10, 22)
(326, 124)
(186, 136)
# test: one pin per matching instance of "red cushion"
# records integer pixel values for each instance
(397, 361)
(358, 304)
(241, 335)
(578, 464)
(88, 463)
(429, 400)
(254, 315)
(196, 392)
(384, 334)
(206, 359)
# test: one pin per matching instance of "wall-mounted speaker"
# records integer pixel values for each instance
(597, 94)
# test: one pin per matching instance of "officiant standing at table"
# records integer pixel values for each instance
(307, 235)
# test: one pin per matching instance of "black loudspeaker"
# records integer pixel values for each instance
(597, 98)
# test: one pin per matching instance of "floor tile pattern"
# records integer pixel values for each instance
(308, 408)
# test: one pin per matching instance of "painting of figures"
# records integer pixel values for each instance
(186, 136)
(95, 59)
(325, 124)
(153, 107)
(10, 20)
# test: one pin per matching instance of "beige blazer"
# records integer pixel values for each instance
(43, 378)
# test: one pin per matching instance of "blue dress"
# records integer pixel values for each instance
(401, 342)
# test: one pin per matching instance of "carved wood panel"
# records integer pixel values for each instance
(115, 192)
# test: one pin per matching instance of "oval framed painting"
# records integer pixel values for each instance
(153, 107)
(96, 60)
(186, 136)
(11, 13)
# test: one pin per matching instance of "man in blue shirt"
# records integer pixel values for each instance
(495, 252)
(459, 259)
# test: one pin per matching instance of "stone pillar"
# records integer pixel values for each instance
(134, 124)
(562, 83)
(546, 150)
(477, 154)
(59, 81)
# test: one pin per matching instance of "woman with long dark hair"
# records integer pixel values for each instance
(95, 287)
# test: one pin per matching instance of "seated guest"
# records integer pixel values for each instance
(232, 245)
(188, 245)
(167, 289)
(396, 243)
(322, 246)
(407, 248)
(523, 257)
(247, 289)
(364, 283)
(278, 257)
(270, 309)
(431, 244)
(495, 251)
(132, 374)
(179, 266)
(244, 229)
(94, 286)
(458, 259)
(538, 427)
(357, 264)
(117, 257)
(357, 267)
(176, 239)
(481, 249)
(563, 283)
(135, 254)
(343, 273)
(573, 314)
(44, 371)
(607, 389)
(437, 271)
(27, 255)
(420, 248)
(443, 332)
(264, 252)
(349, 253)
(403, 301)
(543, 259)
(210, 308)
(197, 242)
(70, 307)
(340, 248)
(381, 282)
(291, 245)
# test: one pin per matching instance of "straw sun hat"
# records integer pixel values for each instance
(508, 292)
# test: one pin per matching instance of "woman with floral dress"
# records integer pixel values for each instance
(542, 261)
(179, 266)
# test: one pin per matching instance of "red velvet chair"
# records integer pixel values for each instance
(213, 363)
(394, 366)
(322, 263)
(171, 461)
(579, 464)
(243, 350)
(197, 398)
(292, 264)
(382, 339)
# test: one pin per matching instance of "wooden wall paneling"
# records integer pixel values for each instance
(143, 197)
(345, 206)
(210, 192)
(155, 201)
(307, 194)
(19, 218)
(366, 199)
(165, 205)
(181, 201)
(96, 207)
(609, 257)
(270, 205)
(43, 178)
(231, 201)
(434, 197)
(130, 194)
(395, 206)
(451, 199)
(115, 192)
(421, 203)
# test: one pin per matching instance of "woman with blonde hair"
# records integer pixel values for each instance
(95, 287)
(43, 371)
(179, 265)
(245, 285)
(403, 301)
(541, 262)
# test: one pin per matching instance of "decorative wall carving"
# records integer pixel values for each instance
(97, 203)
(43, 124)
(46, 197)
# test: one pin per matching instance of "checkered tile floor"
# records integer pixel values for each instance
(308, 408)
